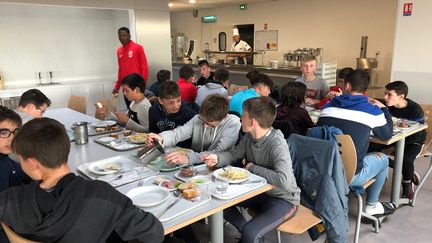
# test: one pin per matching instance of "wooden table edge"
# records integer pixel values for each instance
(237, 200)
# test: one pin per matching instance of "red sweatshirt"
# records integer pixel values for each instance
(188, 91)
(131, 59)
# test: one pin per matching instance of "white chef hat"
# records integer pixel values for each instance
(235, 32)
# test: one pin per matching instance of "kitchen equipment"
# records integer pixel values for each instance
(273, 64)
(368, 64)
(80, 132)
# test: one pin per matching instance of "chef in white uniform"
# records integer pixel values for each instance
(239, 45)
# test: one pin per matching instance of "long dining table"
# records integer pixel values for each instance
(92, 151)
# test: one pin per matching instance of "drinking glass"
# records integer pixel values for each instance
(221, 185)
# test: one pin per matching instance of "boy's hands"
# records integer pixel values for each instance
(150, 137)
(211, 160)
(376, 102)
(122, 117)
(311, 102)
(177, 158)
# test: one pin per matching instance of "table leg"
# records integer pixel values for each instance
(216, 228)
(397, 172)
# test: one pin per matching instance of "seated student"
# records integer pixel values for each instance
(317, 88)
(261, 86)
(59, 206)
(337, 89)
(185, 82)
(136, 118)
(291, 109)
(206, 73)
(232, 89)
(401, 107)
(11, 173)
(356, 116)
(212, 130)
(170, 112)
(216, 86)
(266, 154)
(162, 76)
(32, 104)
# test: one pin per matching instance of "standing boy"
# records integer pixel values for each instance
(401, 107)
(317, 88)
(266, 154)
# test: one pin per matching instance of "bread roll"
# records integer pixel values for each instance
(190, 193)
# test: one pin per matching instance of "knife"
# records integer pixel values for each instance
(246, 182)
(170, 206)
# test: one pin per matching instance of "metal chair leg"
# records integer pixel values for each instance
(358, 220)
(422, 182)
(279, 239)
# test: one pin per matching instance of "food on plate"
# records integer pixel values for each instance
(182, 151)
(170, 184)
(127, 133)
(403, 124)
(114, 135)
(100, 129)
(139, 137)
(114, 128)
(233, 174)
(186, 186)
(190, 193)
(187, 171)
(113, 167)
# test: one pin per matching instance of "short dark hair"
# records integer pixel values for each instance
(169, 90)
(262, 109)
(7, 114)
(215, 107)
(400, 87)
(252, 74)
(44, 139)
(134, 81)
(203, 63)
(344, 71)
(358, 79)
(221, 74)
(35, 97)
(264, 79)
(124, 29)
(163, 75)
(293, 94)
(186, 72)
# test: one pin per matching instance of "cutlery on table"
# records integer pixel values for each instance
(178, 197)
(116, 179)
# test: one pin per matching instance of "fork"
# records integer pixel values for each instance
(178, 196)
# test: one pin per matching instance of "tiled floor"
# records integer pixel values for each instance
(407, 224)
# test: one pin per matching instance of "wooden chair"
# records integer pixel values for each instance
(427, 148)
(14, 237)
(78, 103)
(348, 154)
(302, 221)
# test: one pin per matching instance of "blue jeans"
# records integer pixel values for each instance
(375, 165)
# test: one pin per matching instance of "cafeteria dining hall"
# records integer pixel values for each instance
(196, 121)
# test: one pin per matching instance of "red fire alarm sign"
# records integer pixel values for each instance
(407, 9)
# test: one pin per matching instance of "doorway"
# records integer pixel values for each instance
(247, 32)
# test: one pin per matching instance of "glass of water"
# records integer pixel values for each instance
(221, 185)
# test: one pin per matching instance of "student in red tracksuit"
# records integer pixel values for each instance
(131, 59)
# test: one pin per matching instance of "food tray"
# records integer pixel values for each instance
(132, 170)
(122, 143)
(159, 163)
(181, 207)
(92, 130)
(235, 190)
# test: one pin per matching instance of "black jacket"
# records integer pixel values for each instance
(76, 210)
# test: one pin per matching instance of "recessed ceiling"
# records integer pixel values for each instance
(183, 5)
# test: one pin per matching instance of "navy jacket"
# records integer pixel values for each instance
(320, 174)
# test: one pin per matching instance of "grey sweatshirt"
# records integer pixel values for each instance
(271, 159)
(205, 140)
(208, 89)
(142, 110)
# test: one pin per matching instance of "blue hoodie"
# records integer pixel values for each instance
(355, 116)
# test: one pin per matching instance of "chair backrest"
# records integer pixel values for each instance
(348, 154)
(14, 237)
(427, 109)
(78, 103)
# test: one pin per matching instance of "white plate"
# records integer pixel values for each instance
(217, 173)
(203, 180)
(147, 196)
(102, 168)
(106, 139)
(103, 123)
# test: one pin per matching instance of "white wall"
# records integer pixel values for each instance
(74, 43)
(335, 25)
(413, 52)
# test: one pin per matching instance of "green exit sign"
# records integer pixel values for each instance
(243, 6)
(209, 19)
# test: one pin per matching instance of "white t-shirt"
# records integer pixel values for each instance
(240, 46)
